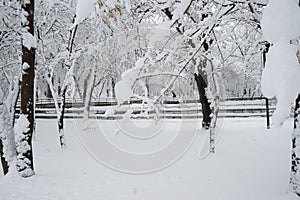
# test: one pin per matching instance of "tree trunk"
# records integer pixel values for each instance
(89, 91)
(295, 154)
(101, 90)
(206, 111)
(7, 121)
(60, 110)
(85, 87)
(3, 161)
(61, 114)
(113, 87)
(61, 133)
(264, 53)
(7, 139)
(24, 136)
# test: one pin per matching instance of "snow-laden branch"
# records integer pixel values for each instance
(158, 74)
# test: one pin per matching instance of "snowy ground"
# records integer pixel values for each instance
(250, 162)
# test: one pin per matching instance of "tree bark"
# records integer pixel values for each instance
(206, 110)
(295, 154)
(113, 87)
(3, 161)
(24, 139)
(90, 85)
(61, 133)
(7, 120)
(61, 114)
(7, 137)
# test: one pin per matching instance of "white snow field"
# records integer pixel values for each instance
(250, 163)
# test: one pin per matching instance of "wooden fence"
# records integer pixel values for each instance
(170, 108)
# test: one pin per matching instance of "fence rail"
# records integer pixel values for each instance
(171, 108)
(78, 102)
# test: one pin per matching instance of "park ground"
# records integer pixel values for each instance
(251, 162)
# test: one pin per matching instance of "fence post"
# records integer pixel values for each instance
(267, 112)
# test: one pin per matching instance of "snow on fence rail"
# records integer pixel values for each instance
(171, 108)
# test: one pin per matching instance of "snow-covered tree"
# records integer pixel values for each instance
(25, 123)
(181, 46)
(10, 27)
(16, 29)
(281, 30)
(55, 63)
(197, 32)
